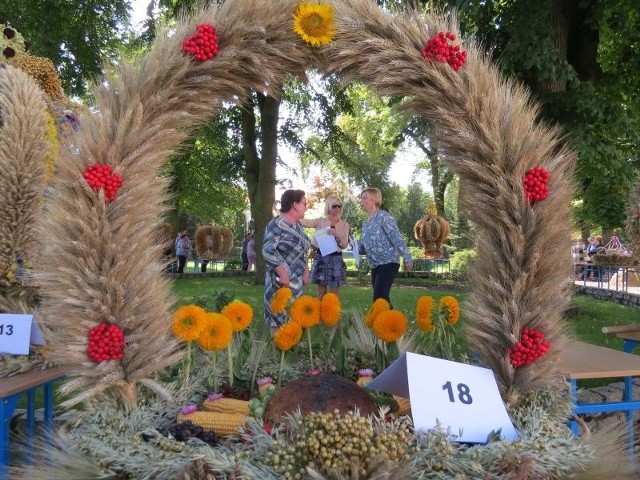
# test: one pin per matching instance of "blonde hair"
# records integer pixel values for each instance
(375, 194)
(331, 199)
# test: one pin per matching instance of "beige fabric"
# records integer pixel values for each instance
(342, 229)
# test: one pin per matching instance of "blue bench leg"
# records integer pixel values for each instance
(629, 345)
(574, 399)
(7, 407)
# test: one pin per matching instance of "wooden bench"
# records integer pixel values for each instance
(630, 335)
(11, 389)
(580, 361)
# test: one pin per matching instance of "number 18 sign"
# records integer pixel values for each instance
(462, 397)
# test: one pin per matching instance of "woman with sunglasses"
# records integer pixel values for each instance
(330, 271)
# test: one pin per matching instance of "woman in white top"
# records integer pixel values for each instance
(330, 271)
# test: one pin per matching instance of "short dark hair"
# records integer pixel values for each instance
(288, 198)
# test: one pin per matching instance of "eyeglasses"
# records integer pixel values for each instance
(336, 206)
(304, 203)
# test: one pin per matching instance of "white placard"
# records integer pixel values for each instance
(326, 243)
(462, 397)
(17, 332)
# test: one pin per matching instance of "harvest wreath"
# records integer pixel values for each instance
(518, 178)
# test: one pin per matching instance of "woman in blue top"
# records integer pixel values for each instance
(383, 244)
(284, 249)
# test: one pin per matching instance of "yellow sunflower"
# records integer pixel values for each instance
(217, 333)
(287, 336)
(280, 300)
(314, 23)
(306, 311)
(330, 310)
(389, 326)
(239, 313)
(453, 309)
(380, 305)
(188, 322)
(424, 310)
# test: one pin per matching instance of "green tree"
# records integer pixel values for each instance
(581, 60)
(413, 206)
(77, 36)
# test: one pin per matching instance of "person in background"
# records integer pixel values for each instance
(284, 249)
(251, 253)
(183, 246)
(196, 259)
(329, 272)
(383, 244)
(243, 253)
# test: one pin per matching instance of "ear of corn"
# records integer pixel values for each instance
(227, 405)
(404, 406)
(222, 424)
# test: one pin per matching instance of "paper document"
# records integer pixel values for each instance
(326, 243)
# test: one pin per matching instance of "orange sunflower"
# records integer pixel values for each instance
(424, 310)
(239, 313)
(306, 311)
(188, 322)
(380, 305)
(330, 310)
(287, 336)
(452, 307)
(217, 333)
(390, 325)
(280, 300)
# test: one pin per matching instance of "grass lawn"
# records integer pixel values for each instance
(586, 320)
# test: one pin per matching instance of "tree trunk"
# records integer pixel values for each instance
(465, 239)
(260, 170)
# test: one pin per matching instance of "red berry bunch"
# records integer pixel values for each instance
(531, 346)
(439, 49)
(100, 176)
(105, 343)
(203, 44)
(535, 184)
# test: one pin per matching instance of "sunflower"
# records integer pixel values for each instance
(380, 305)
(217, 333)
(330, 309)
(453, 309)
(390, 325)
(314, 23)
(280, 300)
(188, 322)
(306, 311)
(239, 313)
(287, 336)
(424, 309)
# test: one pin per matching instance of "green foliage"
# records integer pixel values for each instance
(77, 36)
(462, 260)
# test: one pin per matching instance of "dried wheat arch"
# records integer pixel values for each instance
(102, 254)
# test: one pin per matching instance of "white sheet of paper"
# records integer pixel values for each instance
(36, 333)
(355, 248)
(15, 333)
(462, 397)
(326, 243)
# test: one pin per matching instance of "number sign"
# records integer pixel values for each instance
(17, 332)
(462, 397)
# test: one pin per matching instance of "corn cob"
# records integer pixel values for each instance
(404, 406)
(227, 405)
(222, 424)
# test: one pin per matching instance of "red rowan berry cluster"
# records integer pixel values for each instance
(203, 44)
(106, 342)
(531, 346)
(440, 50)
(535, 184)
(100, 176)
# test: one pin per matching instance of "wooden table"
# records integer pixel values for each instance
(11, 389)
(580, 361)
